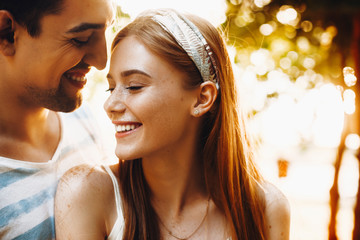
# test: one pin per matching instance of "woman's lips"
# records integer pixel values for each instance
(125, 128)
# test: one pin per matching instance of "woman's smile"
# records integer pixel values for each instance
(125, 128)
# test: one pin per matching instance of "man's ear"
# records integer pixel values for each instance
(7, 26)
(206, 97)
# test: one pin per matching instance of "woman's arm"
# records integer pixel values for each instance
(277, 214)
(83, 204)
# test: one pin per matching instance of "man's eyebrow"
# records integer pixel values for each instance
(86, 26)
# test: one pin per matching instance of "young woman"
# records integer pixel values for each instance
(185, 170)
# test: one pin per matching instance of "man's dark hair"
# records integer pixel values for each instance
(28, 13)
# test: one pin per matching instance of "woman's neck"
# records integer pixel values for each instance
(175, 179)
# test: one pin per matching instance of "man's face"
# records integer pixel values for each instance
(49, 70)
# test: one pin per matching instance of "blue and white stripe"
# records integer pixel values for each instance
(27, 189)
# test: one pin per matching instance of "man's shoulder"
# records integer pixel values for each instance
(26, 196)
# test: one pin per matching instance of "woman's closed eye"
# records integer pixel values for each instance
(134, 88)
(110, 90)
(129, 88)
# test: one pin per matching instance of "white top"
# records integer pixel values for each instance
(117, 230)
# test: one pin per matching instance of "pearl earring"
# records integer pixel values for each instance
(196, 112)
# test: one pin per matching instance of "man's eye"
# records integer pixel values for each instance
(79, 42)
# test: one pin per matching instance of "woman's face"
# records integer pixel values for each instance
(148, 104)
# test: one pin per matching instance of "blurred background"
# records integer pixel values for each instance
(296, 65)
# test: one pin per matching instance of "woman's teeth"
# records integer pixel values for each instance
(124, 128)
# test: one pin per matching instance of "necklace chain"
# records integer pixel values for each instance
(196, 229)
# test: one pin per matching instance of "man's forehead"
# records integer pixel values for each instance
(81, 15)
(104, 9)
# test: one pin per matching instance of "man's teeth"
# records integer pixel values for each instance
(124, 128)
(75, 78)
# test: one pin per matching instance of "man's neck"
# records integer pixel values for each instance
(29, 134)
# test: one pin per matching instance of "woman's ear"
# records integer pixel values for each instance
(7, 47)
(206, 97)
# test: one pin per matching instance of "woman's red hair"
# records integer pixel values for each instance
(230, 175)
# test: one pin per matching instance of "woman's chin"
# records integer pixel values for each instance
(124, 155)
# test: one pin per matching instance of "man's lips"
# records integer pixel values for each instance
(77, 77)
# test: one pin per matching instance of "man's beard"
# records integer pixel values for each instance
(55, 99)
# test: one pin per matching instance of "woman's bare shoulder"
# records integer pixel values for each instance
(84, 200)
(84, 179)
(273, 195)
(277, 213)
(85, 187)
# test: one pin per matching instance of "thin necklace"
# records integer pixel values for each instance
(196, 229)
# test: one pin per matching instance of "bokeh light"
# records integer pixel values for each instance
(349, 101)
(309, 63)
(261, 3)
(266, 29)
(212, 10)
(262, 60)
(303, 44)
(306, 26)
(349, 76)
(352, 141)
(287, 15)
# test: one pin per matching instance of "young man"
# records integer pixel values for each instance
(46, 49)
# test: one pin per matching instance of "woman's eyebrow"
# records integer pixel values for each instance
(134, 71)
(109, 76)
(129, 73)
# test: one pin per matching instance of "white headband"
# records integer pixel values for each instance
(188, 36)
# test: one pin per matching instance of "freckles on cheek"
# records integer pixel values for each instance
(160, 106)
(153, 102)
